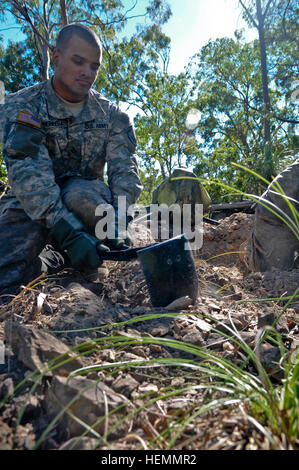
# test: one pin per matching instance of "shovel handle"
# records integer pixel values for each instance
(122, 255)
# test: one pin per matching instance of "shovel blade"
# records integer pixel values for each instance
(170, 271)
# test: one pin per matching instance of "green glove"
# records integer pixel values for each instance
(83, 249)
(122, 240)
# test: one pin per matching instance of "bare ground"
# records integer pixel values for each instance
(69, 302)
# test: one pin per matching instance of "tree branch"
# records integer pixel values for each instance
(63, 9)
(266, 9)
(249, 14)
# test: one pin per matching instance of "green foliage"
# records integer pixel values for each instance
(163, 137)
(19, 65)
(150, 181)
(223, 81)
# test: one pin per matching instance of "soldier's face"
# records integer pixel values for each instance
(76, 69)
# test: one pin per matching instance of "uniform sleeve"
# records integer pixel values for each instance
(30, 172)
(123, 178)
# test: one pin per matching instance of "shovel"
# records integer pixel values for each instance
(168, 267)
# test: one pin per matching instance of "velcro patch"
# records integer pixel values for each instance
(28, 118)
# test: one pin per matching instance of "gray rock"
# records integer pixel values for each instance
(6, 388)
(125, 385)
(193, 336)
(179, 304)
(89, 401)
(223, 326)
(215, 341)
(81, 308)
(267, 318)
(35, 348)
(270, 356)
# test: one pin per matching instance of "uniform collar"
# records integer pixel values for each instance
(57, 110)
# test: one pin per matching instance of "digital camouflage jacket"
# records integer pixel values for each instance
(43, 144)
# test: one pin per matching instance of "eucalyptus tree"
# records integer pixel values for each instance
(165, 140)
(230, 97)
(42, 19)
(275, 21)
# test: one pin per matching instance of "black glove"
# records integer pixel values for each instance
(83, 249)
(122, 240)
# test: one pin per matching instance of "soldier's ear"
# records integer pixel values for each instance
(55, 56)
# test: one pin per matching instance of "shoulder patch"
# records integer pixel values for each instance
(28, 118)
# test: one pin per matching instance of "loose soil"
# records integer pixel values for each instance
(67, 304)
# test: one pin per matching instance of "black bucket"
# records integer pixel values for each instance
(169, 270)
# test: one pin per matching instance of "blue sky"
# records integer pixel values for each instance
(191, 26)
(194, 22)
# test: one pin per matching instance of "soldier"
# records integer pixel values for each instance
(57, 137)
(273, 244)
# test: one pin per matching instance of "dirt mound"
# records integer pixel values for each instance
(221, 243)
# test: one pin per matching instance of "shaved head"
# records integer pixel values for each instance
(80, 30)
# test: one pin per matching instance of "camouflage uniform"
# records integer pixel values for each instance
(273, 244)
(55, 164)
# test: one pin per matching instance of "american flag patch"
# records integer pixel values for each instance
(29, 119)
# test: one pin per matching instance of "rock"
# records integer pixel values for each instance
(87, 400)
(79, 443)
(178, 382)
(125, 385)
(6, 388)
(160, 330)
(140, 310)
(6, 436)
(147, 388)
(212, 306)
(108, 355)
(249, 337)
(193, 336)
(203, 325)
(223, 326)
(267, 318)
(81, 308)
(35, 348)
(126, 356)
(179, 304)
(215, 341)
(270, 356)
(140, 234)
(32, 409)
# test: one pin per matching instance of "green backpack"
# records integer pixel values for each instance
(182, 191)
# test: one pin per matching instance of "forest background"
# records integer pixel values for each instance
(234, 101)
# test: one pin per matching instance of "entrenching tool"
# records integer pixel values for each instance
(168, 267)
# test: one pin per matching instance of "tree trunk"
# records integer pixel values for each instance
(63, 10)
(266, 99)
(45, 59)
